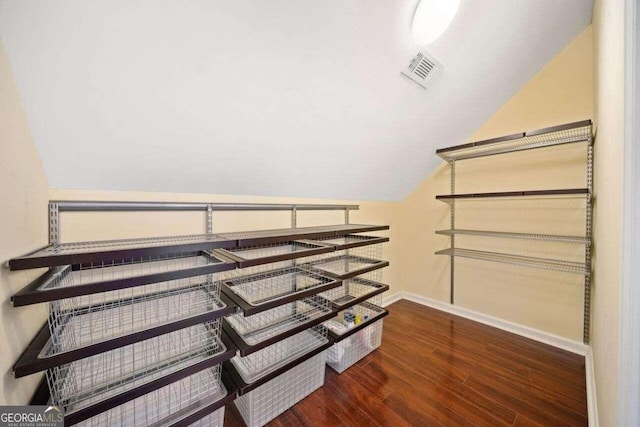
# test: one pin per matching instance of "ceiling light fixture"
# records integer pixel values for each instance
(432, 18)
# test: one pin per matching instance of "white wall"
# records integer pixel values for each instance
(608, 28)
(23, 228)
(273, 98)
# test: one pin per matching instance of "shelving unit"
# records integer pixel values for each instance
(168, 330)
(578, 132)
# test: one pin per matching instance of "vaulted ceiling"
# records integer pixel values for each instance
(276, 98)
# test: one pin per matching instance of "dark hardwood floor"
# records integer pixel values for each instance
(437, 369)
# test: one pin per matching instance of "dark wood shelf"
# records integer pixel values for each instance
(109, 250)
(567, 192)
(546, 137)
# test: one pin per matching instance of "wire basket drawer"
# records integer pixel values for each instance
(251, 333)
(164, 406)
(270, 289)
(351, 345)
(269, 400)
(247, 256)
(256, 365)
(354, 291)
(86, 320)
(346, 266)
(83, 383)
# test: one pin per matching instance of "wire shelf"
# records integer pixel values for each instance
(165, 405)
(564, 134)
(347, 352)
(354, 291)
(82, 321)
(347, 265)
(269, 400)
(256, 365)
(247, 256)
(269, 289)
(534, 262)
(88, 381)
(271, 323)
(528, 236)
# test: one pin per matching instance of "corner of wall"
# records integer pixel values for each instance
(23, 228)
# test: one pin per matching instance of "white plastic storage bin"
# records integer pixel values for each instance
(214, 419)
(345, 353)
(269, 400)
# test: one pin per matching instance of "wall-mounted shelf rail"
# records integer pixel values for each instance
(526, 236)
(556, 135)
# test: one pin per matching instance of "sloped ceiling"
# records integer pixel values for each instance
(277, 98)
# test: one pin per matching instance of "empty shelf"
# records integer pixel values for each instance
(67, 281)
(556, 135)
(544, 263)
(252, 333)
(264, 291)
(353, 291)
(248, 256)
(570, 192)
(339, 331)
(529, 236)
(347, 266)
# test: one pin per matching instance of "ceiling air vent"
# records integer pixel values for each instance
(424, 68)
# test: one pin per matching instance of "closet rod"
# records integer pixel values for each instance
(88, 206)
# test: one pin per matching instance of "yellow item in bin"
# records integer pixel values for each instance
(358, 319)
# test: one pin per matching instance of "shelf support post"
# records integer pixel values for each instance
(346, 215)
(453, 226)
(54, 224)
(587, 253)
(294, 217)
(209, 219)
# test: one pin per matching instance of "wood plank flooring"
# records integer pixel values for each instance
(436, 369)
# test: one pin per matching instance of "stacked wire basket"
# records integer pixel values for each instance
(167, 331)
(125, 349)
(287, 292)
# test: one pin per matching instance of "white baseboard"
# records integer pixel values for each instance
(525, 331)
(390, 299)
(592, 401)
